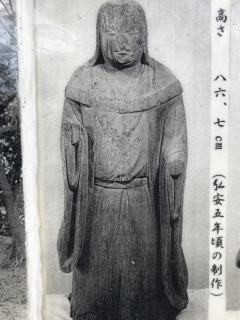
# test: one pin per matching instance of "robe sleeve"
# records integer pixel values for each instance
(74, 147)
(172, 170)
(175, 155)
(70, 144)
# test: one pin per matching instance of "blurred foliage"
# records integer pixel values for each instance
(10, 141)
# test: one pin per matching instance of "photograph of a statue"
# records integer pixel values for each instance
(124, 152)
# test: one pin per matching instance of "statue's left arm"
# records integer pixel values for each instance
(172, 172)
(176, 156)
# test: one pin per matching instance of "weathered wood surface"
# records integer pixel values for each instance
(124, 150)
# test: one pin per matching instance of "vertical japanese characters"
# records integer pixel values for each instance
(220, 44)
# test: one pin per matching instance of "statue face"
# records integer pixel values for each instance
(121, 36)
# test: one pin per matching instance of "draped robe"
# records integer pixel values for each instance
(124, 164)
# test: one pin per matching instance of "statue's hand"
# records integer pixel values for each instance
(176, 163)
(238, 260)
(67, 266)
(175, 167)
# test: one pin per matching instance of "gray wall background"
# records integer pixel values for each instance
(179, 37)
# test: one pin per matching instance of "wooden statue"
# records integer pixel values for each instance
(124, 151)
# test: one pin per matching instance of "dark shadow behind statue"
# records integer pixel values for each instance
(124, 151)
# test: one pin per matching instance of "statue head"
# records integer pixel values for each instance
(121, 34)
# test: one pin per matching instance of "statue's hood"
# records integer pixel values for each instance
(90, 87)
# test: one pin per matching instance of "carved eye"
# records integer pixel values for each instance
(111, 33)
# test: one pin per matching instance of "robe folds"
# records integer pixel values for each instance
(124, 165)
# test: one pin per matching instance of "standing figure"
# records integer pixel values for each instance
(124, 151)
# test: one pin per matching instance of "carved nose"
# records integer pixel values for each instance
(122, 42)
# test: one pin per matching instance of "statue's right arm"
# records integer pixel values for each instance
(71, 161)
(70, 143)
